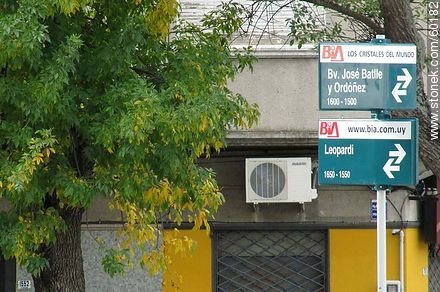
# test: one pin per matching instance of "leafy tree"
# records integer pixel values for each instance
(111, 98)
(402, 21)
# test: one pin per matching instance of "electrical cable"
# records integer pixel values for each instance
(419, 191)
(398, 213)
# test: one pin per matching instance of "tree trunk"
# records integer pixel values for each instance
(65, 272)
(400, 28)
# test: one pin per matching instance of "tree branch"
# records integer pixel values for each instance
(330, 4)
(155, 78)
(76, 151)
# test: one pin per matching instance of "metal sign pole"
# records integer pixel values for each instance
(381, 241)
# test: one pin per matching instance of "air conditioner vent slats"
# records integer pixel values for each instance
(267, 180)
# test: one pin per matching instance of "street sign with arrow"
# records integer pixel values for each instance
(367, 76)
(377, 76)
(368, 152)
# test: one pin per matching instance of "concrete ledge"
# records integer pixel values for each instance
(308, 225)
(282, 51)
(272, 138)
(221, 225)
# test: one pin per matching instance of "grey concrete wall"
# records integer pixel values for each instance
(285, 87)
(135, 280)
(335, 205)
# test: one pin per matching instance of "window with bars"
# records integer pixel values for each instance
(270, 261)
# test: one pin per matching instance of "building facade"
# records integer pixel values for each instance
(328, 244)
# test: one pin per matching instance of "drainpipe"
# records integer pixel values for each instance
(401, 260)
(401, 257)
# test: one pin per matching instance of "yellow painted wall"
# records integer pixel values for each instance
(195, 270)
(352, 256)
(416, 258)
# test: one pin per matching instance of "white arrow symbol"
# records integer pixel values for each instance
(389, 167)
(400, 153)
(405, 78)
(397, 92)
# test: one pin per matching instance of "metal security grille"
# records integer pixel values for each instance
(434, 268)
(271, 261)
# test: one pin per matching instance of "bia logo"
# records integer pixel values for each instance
(330, 129)
(334, 53)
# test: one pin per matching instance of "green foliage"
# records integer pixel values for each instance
(94, 100)
(307, 26)
(160, 17)
(369, 8)
(21, 236)
(115, 261)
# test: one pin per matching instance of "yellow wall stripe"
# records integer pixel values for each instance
(352, 256)
(190, 273)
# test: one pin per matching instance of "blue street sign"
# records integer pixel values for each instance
(373, 210)
(366, 76)
(368, 152)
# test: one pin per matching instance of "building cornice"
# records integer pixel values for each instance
(272, 138)
(282, 52)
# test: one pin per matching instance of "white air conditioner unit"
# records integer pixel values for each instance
(279, 180)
